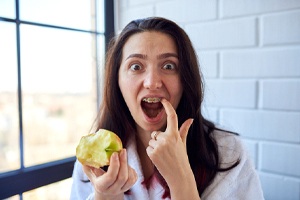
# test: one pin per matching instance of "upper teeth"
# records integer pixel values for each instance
(151, 100)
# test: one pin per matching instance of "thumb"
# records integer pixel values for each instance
(184, 129)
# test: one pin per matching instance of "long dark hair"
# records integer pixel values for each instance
(114, 113)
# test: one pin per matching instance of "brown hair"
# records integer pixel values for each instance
(114, 113)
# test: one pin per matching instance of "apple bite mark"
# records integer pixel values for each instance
(151, 106)
(96, 149)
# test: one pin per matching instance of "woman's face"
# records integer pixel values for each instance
(148, 73)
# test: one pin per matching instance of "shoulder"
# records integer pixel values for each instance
(230, 148)
(240, 182)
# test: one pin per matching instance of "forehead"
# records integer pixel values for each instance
(149, 42)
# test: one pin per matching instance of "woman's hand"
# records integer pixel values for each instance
(112, 184)
(167, 150)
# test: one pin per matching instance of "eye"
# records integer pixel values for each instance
(135, 67)
(169, 66)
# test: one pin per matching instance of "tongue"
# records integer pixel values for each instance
(151, 109)
(151, 113)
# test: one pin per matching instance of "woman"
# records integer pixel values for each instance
(152, 100)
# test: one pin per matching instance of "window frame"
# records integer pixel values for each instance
(18, 181)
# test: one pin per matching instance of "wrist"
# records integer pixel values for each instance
(108, 197)
(185, 189)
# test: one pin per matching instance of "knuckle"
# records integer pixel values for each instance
(163, 141)
(122, 178)
(173, 115)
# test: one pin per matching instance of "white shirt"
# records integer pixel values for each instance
(239, 183)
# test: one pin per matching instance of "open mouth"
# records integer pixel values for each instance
(151, 106)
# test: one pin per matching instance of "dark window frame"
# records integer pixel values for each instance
(24, 179)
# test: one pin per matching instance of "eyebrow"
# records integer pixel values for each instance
(136, 55)
(167, 55)
(160, 56)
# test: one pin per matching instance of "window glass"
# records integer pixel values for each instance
(70, 13)
(7, 8)
(9, 121)
(101, 63)
(59, 191)
(100, 16)
(59, 91)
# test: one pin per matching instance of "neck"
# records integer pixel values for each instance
(146, 163)
(143, 137)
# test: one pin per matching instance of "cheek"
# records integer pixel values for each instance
(175, 90)
(175, 87)
(127, 89)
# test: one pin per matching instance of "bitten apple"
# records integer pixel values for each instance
(96, 149)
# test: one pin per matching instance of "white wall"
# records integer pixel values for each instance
(249, 52)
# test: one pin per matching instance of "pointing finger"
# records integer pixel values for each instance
(172, 121)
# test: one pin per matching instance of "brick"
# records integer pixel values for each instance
(223, 34)
(281, 28)
(210, 113)
(252, 149)
(138, 2)
(232, 93)
(279, 62)
(267, 125)
(170, 10)
(280, 94)
(122, 4)
(125, 16)
(279, 187)
(246, 7)
(208, 64)
(190, 10)
(280, 158)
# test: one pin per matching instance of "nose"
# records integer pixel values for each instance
(153, 80)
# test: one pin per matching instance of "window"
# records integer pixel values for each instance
(50, 55)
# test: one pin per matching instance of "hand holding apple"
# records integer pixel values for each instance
(96, 149)
(105, 148)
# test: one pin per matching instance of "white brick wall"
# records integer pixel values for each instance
(223, 33)
(289, 31)
(249, 52)
(278, 62)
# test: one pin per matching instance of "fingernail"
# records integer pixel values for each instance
(115, 156)
(192, 120)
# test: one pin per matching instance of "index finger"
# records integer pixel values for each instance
(172, 121)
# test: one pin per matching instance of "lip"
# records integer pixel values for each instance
(152, 96)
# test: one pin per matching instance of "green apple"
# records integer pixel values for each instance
(96, 149)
